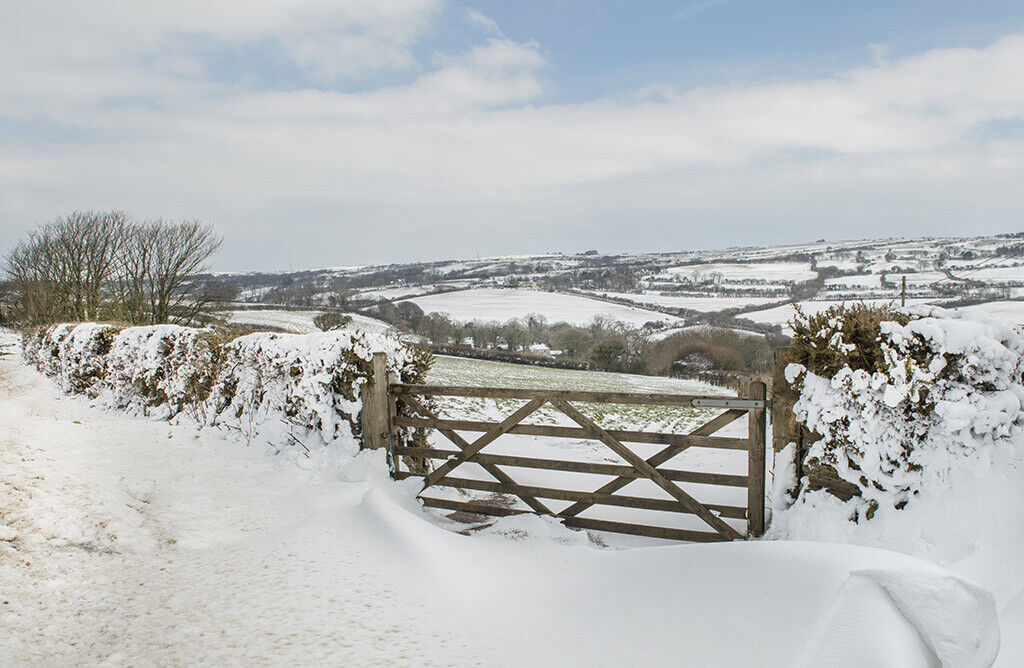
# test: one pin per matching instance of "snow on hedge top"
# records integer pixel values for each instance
(951, 394)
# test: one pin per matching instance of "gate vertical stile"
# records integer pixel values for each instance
(756, 459)
(377, 420)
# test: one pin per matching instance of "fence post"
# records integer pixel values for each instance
(756, 459)
(785, 428)
(376, 417)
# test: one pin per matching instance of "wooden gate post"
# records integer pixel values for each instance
(785, 429)
(376, 413)
(756, 459)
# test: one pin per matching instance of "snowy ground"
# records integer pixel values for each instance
(704, 304)
(993, 274)
(1010, 311)
(781, 315)
(131, 542)
(761, 271)
(921, 279)
(299, 322)
(502, 304)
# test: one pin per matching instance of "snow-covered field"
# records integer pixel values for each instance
(1010, 311)
(696, 303)
(765, 271)
(780, 315)
(462, 371)
(920, 279)
(843, 264)
(299, 322)
(502, 304)
(993, 274)
(856, 281)
(398, 292)
(126, 541)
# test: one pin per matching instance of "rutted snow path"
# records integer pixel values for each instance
(133, 542)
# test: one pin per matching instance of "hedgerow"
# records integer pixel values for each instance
(281, 389)
(902, 400)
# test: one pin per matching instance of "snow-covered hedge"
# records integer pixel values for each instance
(283, 389)
(944, 395)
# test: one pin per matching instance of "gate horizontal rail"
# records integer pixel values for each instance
(643, 503)
(382, 419)
(597, 468)
(658, 438)
(653, 399)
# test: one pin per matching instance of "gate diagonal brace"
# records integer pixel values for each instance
(465, 446)
(646, 469)
(657, 459)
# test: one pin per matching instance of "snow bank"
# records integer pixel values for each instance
(724, 604)
(281, 389)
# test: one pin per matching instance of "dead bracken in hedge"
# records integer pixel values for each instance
(842, 335)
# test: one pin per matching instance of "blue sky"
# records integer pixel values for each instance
(325, 132)
(602, 47)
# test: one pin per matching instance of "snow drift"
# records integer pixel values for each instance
(741, 603)
(281, 389)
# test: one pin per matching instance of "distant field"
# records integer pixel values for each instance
(873, 281)
(502, 304)
(695, 303)
(395, 293)
(921, 279)
(993, 274)
(843, 264)
(765, 271)
(781, 315)
(298, 322)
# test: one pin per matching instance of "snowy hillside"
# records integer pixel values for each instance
(500, 305)
(684, 288)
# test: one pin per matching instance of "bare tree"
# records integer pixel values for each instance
(28, 268)
(88, 244)
(130, 276)
(179, 251)
(88, 266)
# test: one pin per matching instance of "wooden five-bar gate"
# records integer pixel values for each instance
(389, 406)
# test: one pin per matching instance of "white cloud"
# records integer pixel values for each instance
(468, 144)
(486, 22)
